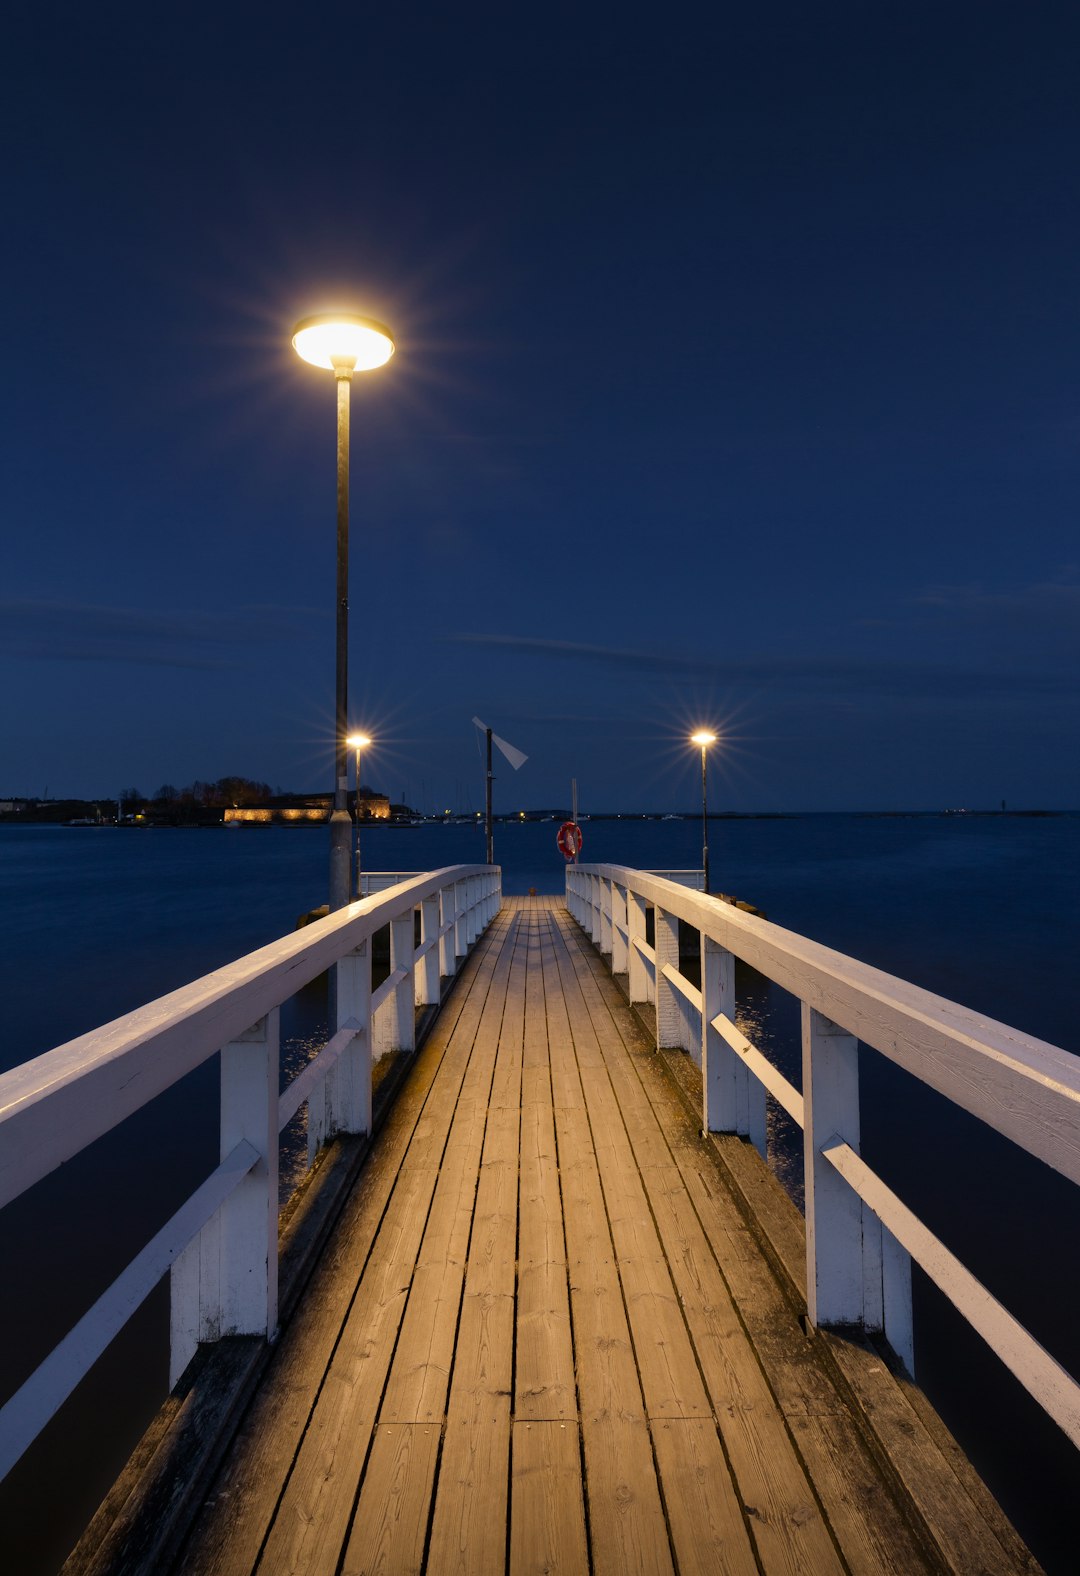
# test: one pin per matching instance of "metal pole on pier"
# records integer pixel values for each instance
(358, 741)
(490, 838)
(704, 738)
(342, 343)
(340, 828)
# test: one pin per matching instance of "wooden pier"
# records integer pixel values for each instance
(544, 1336)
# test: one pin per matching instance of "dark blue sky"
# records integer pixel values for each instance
(738, 381)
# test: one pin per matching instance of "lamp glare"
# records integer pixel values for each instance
(338, 339)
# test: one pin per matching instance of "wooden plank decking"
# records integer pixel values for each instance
(542, 1337)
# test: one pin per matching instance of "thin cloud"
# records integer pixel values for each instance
(191, 638)
(1054, 599)
(899, 677)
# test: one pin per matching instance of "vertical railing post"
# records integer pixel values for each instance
(672, 1029)
(351, 1090)
(637, 981)
(843, 1261)
(896, 1315)
(605, 916)
(427, 975)
(403, 956)
(448, 916)
(226, 1280)
(573, 892)
(720, 1067)
(341, 1103)
(618, 928)
(461, 939)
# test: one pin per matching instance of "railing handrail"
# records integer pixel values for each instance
(1026, 1088)
(54, 1105)
(861, 1239)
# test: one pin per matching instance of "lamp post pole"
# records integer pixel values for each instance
(704, 822)
(488, 821)
(704, 738)
(358, 742)
(339, 820)
(342, 343)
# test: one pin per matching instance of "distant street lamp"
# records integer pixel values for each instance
(344, 344)
(704, 738)
(358, 741)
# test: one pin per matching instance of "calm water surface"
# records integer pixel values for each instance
(984, 910)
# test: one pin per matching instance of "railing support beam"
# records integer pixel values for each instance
(672, 1028)
(618, 928)
(843, 1249)
(720, 1067)
(226, 1280)
(637, 973)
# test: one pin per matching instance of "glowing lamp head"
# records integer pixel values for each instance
(703, 738)
(358, 741)
(340, 340)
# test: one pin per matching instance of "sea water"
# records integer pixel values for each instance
(984, 910)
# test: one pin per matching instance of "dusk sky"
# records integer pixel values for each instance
(737, 383)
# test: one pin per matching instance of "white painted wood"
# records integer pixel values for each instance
(220, 1248)
(350, 1086)
(782, 1091)
(618, 928)
(48, 1387)
(300, 1089)
(860, 1248)
(672, 1030)
(461, 920)
(896, 1298)
(834, 1216)
(448, 931)
(55, 1105)
(1025, 1088)
(386, 995)
(719, 1069)
(427, 971)
(249, 1258)
(1056, 1391)
(637, 979)
(682, 987)
(606, 897)
(402, 960)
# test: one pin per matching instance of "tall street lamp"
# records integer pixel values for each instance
(344, 344)
(704, 738)
(358, 741)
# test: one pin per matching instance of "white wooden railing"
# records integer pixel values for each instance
(860, 1237)
(221, 1246)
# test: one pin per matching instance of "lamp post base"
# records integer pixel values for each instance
(340, 858)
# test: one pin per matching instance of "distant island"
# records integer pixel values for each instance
(240, 801)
